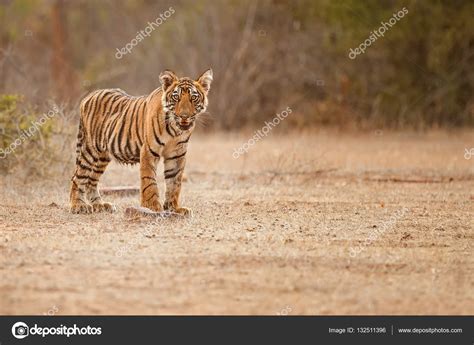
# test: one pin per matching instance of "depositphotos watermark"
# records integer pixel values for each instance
(376, 234)
(285, 311)
(468, 153)
(31, 131)
(263, 132)
(144, 33)
(374, 35)
(21, 330)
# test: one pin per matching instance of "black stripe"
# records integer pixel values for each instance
(106, 103)
(151, 197)
(151, 184)
(95, 199)
(86, 105)
(103, 105)
(142, 114)
(156, 135)
(93, 108)
(90, 153)
(184, 141)
(113, 142)
(114, 153)
(133, 152)
(149, 178)
(109, 129)
(153, 152)
(118, 138)
(132, 118)
(104, 160)
(84, 167)
(168, 129)
(128, 145)
(107, 132)
(84, 157)
(174, 130)
(122, 128)
(97, 143)
(82, 177)
(137, 154)
(116, 105)
(173, 174)
(200, 94)
(100, 131)
(175, 157)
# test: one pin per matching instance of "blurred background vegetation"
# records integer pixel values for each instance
(266, 55)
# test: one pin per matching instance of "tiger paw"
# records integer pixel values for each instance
(104, 206)
(184, 211)
(81, 207)
(187, 212)
(154, 206)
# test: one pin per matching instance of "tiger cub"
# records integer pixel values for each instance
(144, 129)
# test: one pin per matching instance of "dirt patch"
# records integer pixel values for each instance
(317, 223)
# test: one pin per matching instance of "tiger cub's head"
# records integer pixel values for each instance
(183, 98)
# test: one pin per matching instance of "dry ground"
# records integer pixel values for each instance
(317, 223)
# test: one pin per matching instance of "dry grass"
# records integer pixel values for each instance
(272, 229)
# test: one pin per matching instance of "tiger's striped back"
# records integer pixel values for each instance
(114, 122)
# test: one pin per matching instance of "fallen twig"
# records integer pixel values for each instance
(120, 190)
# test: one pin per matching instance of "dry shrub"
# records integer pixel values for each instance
(33, 142)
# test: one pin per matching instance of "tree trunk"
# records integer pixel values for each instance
(65, 86)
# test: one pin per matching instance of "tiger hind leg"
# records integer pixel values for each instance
(98, 205)
(78, 194)
(80, 178)
(84, 196)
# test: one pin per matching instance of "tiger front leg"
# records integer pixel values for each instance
(174, 167)
(148, 187)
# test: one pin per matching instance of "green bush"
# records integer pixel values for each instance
(25, 135)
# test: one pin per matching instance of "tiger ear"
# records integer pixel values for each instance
(205, 80)
(167, 78)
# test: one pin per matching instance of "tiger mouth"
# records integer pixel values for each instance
(185, 127)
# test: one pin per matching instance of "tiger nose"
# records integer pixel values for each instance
(184, 119)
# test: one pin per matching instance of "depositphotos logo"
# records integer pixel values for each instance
(21, 330)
